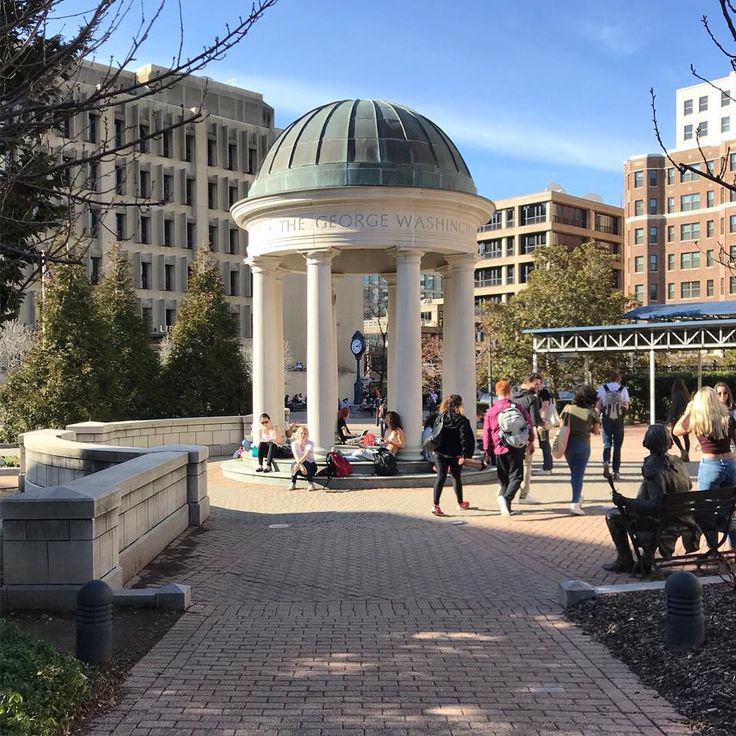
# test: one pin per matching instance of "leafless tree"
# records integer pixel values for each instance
(15, 341)
(44, 83)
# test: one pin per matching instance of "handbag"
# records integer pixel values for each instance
(551, 417)
(435, 438)
(561, 438)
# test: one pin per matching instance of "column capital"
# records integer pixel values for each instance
(261, 264)
(320, 257)
(462, 260)
(408, 256)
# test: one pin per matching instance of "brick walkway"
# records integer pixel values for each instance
(368, 616)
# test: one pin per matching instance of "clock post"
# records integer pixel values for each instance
(357, 348)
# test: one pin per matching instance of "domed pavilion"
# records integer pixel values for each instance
(362, 187)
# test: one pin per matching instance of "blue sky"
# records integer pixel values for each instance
(531, 93)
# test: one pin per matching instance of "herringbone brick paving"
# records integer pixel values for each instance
(367, 616)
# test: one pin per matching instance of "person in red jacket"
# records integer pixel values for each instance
(509, 459)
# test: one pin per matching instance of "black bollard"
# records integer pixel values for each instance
(94, 622)
(684, 621)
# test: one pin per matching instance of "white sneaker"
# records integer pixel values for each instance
(528, 499)
(577, 509)
(311, 487)
(503, 506)
(291, 487)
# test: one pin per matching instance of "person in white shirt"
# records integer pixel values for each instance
(267, 439)
(613, 403)
(303, 450)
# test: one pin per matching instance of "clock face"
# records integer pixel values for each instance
(356, 346)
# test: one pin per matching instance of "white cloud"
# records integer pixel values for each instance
(614, 37)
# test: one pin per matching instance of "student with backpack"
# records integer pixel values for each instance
(613, 403)
(508, 429)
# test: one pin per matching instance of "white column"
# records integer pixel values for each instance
(335, 369)
(321, 356)
(392, 337)
(278, 380)
(652, 387)
(407, 399)
(265, 339)
(448, 335)
(459, 327)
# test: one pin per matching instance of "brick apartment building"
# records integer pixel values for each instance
(680, 229)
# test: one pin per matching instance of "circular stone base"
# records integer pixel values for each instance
(411, 475)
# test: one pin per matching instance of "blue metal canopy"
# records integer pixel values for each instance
(696, 310)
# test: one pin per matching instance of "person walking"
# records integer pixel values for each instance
(457, 441)
(613, 403)
(714, 427)
(526, 396)
(267, 439)
(303, 450)
(547, 411)
(508, 430)
(582, 418)
(679, 399)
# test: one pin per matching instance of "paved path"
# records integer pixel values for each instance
(367, 616)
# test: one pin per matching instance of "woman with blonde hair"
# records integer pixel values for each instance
(713, 426)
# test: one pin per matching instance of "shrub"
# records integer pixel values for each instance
(41, 690)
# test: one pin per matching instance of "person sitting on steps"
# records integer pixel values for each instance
(266, 436)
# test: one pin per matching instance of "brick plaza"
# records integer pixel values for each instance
(367, 616)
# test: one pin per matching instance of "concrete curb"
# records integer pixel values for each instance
(172, 597)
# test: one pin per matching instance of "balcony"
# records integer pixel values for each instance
(572, 221)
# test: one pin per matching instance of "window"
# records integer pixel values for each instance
(168, 277)
(489, 276)
(639, 292)
(732, 253)
(687, 132)
(670, 204)
(166, 144)
(510, 217)
(143, 138)
(653, 206)
(529, 243)
(638, 178)
(638, 264)
(653, 234)
(234, 283)
(691, 173)
(191, 234)
(710, 198)
(212, 235)
(491, 248)
(212, 195)
(703, 129)
(168, 187)
(66, 127)
(607, 223)
(189, 192)
(144, 184)
(703, 103)
(145, 235)
(725, 124)
(653, 295)
(725, 99)
(145, 275)
(710, 259)
(670, 261)
(670, 291)
(93, 175)
(94, 222)
(233, 243)
(532, 214)
(211, 152)
(93, 128)
(232, 156)
(689, 202)
(168, 232)
(709, 287)
(690, 260)
(732, 285)
(188, 147)
(639, 207)
(652, 177)
(119, 133)
(638, 235)
(670, 233)
(732, 224)
(671, 175)
(690, 231)
(731, 161)
(252, 160)
(709, 228)
(510, 245)
(120, 179)
(495, 223)
(689, 289)
(567, 215)
(652, 262)
(232, 195)
(170, 317)
(687, 107)
(120, 228)
(510, 278)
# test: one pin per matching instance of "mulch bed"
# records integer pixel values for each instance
(701, 684)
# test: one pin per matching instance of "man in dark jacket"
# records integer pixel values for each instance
(663, 474)
(527, 397)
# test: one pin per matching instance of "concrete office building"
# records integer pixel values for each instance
(680, 228)
(520, 225)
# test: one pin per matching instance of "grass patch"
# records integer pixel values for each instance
(41, 690)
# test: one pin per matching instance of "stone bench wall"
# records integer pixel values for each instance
(93, 511)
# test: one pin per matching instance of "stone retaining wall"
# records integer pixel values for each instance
(93, 511)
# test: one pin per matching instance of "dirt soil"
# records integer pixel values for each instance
(700, 684)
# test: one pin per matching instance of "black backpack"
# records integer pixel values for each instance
(434, 441)
(384, 463)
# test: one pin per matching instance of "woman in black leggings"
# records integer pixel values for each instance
(457, 441)
(268, 444)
